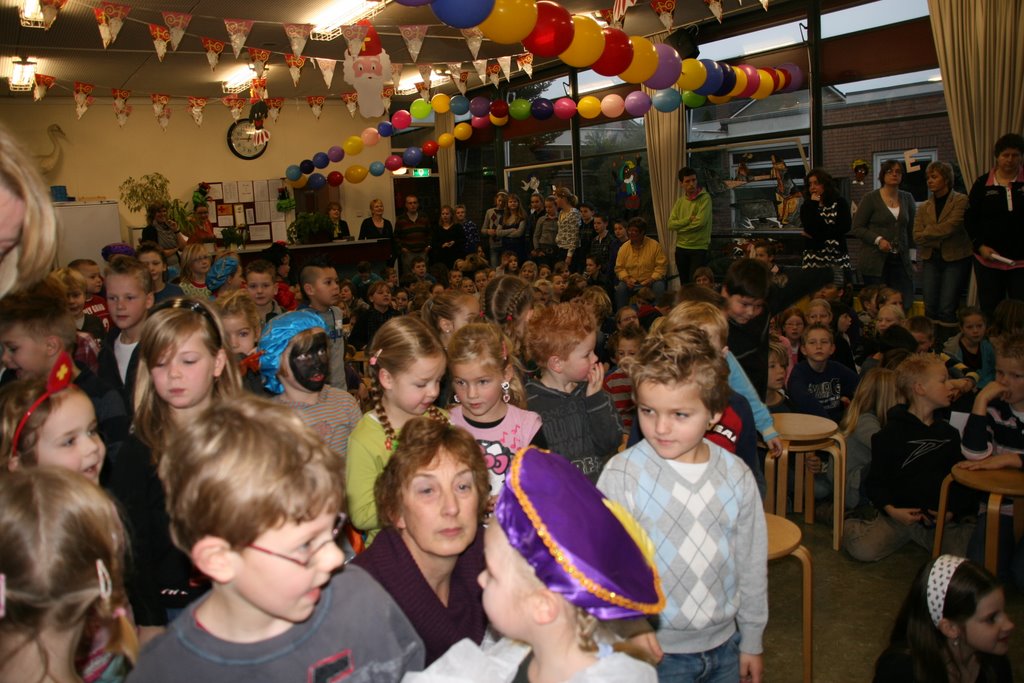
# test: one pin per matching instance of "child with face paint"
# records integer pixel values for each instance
(295, 362)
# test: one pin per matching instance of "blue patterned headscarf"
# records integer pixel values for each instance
(274, 340)
(220, 272)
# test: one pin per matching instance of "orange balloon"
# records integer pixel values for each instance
(767, 85)
(714, 99)
(645, 61)
(692, 75)
(741, 82)
(587, 42)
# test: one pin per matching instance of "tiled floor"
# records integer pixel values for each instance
(854, 607)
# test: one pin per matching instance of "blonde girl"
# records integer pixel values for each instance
(62, 564)
(888, 315)
(195, 264)
(875, 395)
(449, 311)
(778, 369)
(543, 293)
(407, 364)
(491, 402)
(791, 323)
(528, 271)
(508, 303)
(819, 311)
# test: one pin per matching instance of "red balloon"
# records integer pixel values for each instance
(429, 148)
(499, 108)
(617, 55)
(776, 79)
(335, 178)
(553, 32)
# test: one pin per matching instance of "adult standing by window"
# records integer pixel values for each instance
(376, 227)
(567, 239)
(412, 233)
(995, 222)
(513, 227)
(943, 244)
(691, 221)
(491, 227)
(883, 223)
(165, 232)
(448, 239)
(825, 217)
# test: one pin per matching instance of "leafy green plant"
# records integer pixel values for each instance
(310, 227)
(234, 236)
(137, 195)
(181, 213)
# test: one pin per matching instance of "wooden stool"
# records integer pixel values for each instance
(783, 540)
(806, 434)
(997, 483)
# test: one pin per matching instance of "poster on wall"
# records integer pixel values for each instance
(251, 204)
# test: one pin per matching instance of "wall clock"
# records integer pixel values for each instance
(241, 143)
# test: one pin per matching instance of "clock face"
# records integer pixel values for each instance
(240, 140)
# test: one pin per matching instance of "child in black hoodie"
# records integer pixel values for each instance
(910, 457)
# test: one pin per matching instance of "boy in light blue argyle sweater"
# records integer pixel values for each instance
(700, 505)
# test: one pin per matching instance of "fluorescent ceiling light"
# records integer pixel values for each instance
(31, 14)
(241, 79)
(328, 25)
(23, 75)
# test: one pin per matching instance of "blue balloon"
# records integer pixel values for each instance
(714, 79)
(316, 181)
(541, 108)
(377, 168)
(385, 129)
(459, 105)
(728, 82)
(412, 156)
(321, 160)
(479, 106)
(293, 172)
(306, 166)
(667, 100)
(462, 13)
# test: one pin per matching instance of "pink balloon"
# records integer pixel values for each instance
(612, 106)
(393, 162)
(401, 119)
(753, 80)
(370, 136)
(481, 121)
(565, 108)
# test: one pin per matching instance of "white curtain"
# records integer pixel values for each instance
(982, 64)
(666, 152)
(445, 123)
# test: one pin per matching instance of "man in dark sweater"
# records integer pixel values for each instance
(412, 233)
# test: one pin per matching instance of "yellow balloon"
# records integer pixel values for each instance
(510, 21)
(441, 103)
(765, 87)
(463, 131)
(353, 145)
(498, 121)
(587, 42)
(741, 82)
(645, 61)
(356, 173)
(714, 99)
(693, 75)
(445, 140)
(301, 182)
(589, 107)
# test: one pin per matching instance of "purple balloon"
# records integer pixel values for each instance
(479, 106)
(335, 154)
(669, 67)
(728, 81)
(796, 76)
(714, 80)
(542, 109)
(385, 129)
(412, 156)
(637, 103)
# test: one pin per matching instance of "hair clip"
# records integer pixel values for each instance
(3, 595)
(59, 380)
(106, 584)
(374, 358)
(119, 613)
(508, 318)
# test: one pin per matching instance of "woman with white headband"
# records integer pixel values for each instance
(953, 628)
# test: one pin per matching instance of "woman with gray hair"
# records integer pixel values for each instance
(943, 244)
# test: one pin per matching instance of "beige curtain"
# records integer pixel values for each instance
(666, 150)
(982, 63)
(445, 123)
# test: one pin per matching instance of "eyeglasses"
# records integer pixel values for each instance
(308, 562)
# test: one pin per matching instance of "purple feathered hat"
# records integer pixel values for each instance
(580, 544)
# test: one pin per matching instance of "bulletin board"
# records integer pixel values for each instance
(252, 203)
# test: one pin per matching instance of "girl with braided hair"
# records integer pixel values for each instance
(508, 303)
(407, 363)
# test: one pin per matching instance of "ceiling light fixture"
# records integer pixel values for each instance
(242, 79)
(31, 14)
(328, 25)
(23, 76)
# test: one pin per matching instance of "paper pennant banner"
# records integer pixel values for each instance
(195, 107)
(351, 100)
(413, 37)
(213, 49)
(297, 34)
(462, 80)
(83, 106)
(494, 74)
(396, 72)
(83, 97)
(764, 3)
(110, 18)
(619, 8)
(176, 22)
(259, 58)
(664, 10)
(327, 69)
(159, 102)
(274, 105)
(716, 8)
(481, 69)
(122, 114)
(258, 89)
(423, 89)
(354, 35)
(43, 85)
(50, 9)
(474, 37)
(295, 64)
(426, 71)
(161, 39)
(525, 63)
(316, 104)
(386, 94)
(120, 98)
(164, 117)
(238, 30)
(506, 66)
(608, 17)
(235, 104)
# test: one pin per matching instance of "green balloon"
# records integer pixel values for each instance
(693, 100)
(519, 109)
(420, 109)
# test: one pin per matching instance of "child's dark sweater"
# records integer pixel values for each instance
(1000, 426)
(821, 393)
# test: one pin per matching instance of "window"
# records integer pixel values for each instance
(871, 15)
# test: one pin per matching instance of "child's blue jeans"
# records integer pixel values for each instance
(719, 665)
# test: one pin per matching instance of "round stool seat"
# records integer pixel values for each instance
(783, 536)
(1004, 482)
(800, 427)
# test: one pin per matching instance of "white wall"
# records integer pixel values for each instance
(98, 155)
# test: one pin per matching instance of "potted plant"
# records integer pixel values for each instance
(234, 237)
(152, 188)
(309, 228)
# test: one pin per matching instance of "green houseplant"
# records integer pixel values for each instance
(234, 237)
(152, 188)
(308, 228)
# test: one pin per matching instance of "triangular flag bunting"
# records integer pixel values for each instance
(396, 72)
(83, 97)
(413, 37)
(122, 114)
(177, 22)
(120, 98)
(316, 103)
(274, 105)
(386, 93)
(354, 35)
(506, 66)
(297, 34)
(525, 63)
(327, 69)
(764, 3)
(161, 39)
(494, 74)
(164, 117)
(83, 106)
(474, 37)
(295, 64)
(213, 49)
(619, 9)
(110, 18)
(238, 30)
(50, 9)
(426, 71)
(423, 89)
(351, 100)
(664, 10)
(258, 89)
(235, 104)
(259, 58)
(43, 85)
(716, 8)
(462, 80)
(195, 107)
(159, 102)
(481, 69)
